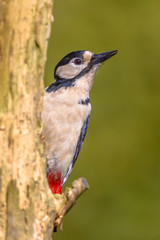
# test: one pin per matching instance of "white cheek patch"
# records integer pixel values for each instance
(70, 70)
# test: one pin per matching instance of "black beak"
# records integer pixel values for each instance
(99, 58)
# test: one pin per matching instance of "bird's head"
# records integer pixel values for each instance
(78, 65)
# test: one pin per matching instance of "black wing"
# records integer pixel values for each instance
(79, 146)
(81, 139)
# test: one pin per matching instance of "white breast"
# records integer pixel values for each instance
(62, 120)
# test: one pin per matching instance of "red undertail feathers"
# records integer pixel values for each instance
(55, 182)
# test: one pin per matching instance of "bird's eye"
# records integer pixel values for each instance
(77, 61)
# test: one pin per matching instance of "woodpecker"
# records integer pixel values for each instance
(66, 112)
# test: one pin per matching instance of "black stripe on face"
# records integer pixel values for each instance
(82, 73)
(63, 82)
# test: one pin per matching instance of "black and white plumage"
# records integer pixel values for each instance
(66, 112)
(78, 147)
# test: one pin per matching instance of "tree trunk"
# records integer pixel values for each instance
(26, 210)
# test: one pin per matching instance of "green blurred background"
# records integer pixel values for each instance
(121, 154)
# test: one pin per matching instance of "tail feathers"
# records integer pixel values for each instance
(54, 182)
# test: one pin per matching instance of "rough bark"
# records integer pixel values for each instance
(26, 211)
